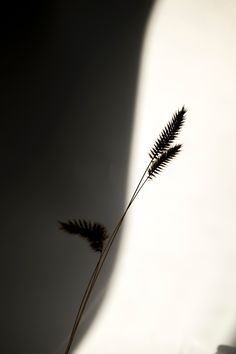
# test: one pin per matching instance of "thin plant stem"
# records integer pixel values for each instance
(141, 179)
(101, 260)
(81, 307)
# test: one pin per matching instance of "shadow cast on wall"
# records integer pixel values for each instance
(69, 73)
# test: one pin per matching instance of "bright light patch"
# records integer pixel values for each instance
(174, 286)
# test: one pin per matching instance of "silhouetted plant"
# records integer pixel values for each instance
(169, 133)
(96, 234)
(161, 161)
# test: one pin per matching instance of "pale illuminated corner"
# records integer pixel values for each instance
(174, 286)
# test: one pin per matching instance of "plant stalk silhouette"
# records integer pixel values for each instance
(96, 234)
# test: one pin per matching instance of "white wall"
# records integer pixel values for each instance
(174, 287)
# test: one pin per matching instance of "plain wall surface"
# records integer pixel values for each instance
(68, 83)
(173, 290)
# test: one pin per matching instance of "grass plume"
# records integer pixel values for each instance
(95, 233)
(161, 161)
(169, 133)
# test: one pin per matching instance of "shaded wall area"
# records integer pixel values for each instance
(68, 83)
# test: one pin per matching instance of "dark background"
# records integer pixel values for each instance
(69, 73)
